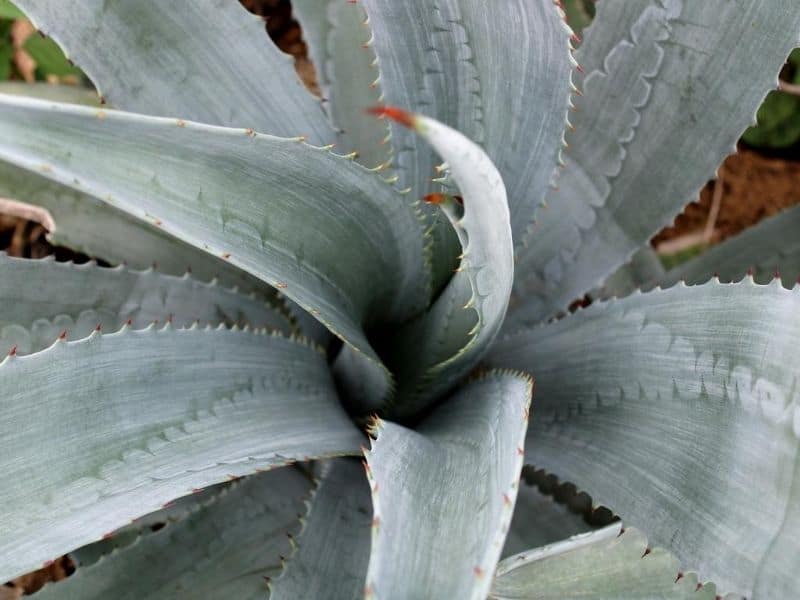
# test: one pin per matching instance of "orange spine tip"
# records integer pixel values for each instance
(435, 198)
(395, 114)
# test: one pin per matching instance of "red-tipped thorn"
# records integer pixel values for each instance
(395, 114)
(13, 351)
(129, 322)
(63, 335)
(98, 327)
(435, 198)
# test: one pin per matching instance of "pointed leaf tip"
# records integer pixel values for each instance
(395, 114)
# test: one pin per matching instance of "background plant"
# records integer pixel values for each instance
(676, 408)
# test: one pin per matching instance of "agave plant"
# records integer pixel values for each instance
(385, 286)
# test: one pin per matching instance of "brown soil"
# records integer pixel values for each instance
(753, 187)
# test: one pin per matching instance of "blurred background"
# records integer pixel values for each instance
(761, 178)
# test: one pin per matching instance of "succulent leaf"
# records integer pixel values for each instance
(609, 564)
(455, 478)
(87, 225)
(340, 41)
(102, 430)
(72, 94)
(225, 547)
(766, 250)
(679, 403)
(648, 64)
(173, 511)
(434, 351)
(208, 61)
(539, 520)
(41, 298)
(644, 268)
(262, 203)
(442, 58)
(333, 548)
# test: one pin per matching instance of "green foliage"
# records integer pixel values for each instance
(441, 245)
(779, 116)
(50, 60)
(6, 48)
(579, 13)
(9, 11)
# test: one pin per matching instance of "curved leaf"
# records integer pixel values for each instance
(74, 94)
(333, 548)
(340, 41)
(173, 511)
(455, 479)
(208, 61)
(434, 351)
(41, 298)
(771, 247)
(610, 564)
(87, 225)
(99, 431)
(645, 266)
(226, 547)
(670, 87)
(84, 224)
(327, 233)
(539, 520)
(689, 395)
(501, 77)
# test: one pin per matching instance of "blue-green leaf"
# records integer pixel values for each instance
(41, 298)
(100, 431)
(206, 60)
(679, 410)
(434, 351)
(326, 232)
(769, 249)
(340, 42)
(443, 494)
(610, 564)
(501, 77)
(333, 548)
(670, 86)
(224, 548)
